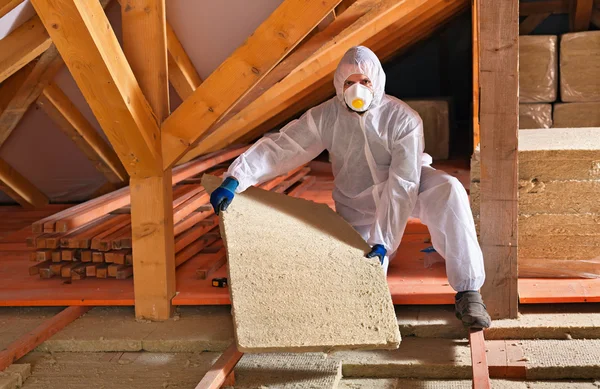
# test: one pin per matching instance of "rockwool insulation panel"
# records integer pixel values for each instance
(533, 116)
(538, 78)
(299, 279)
(436, 125)
(580, 66)
(577, 114)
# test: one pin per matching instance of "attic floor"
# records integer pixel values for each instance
(107, 347)
(410, 281)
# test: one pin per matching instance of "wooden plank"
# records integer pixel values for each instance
(102, 241)
(192, 249)
(84, 213)
(540, 7)
(153, 246)
(21, 46)
(76, 127)
(195, 232)
(215, 377)
(320, 65)
(38, 335)
(581, 15)
(124, 272)
(117, 256)
(82, 236)
(481, 376)
(89, 47)
(208, 263)
(19, 188)
(271, 42)
(531, 22)
(8, 5)
(182, 73)
(304, 185)
(498, 77)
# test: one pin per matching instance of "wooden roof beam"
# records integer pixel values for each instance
(182, 73)
(355, 11)
(89, 47)
(542, 7)
(319, 65)
(75, 126)
(581, 15)
(8, 5)
(24, 87)
(19, 188)
(22, 46)
(271, 42)
(386, 44)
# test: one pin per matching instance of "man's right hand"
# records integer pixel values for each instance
(223, 195)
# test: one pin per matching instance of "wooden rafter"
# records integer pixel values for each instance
(351, 15)
(581, 14)
(475, 70)
(23, 88)
(318, 66)
(541, 7)
(499, 123)
(19, 188)
(272, 40)
(403, 35)
(75, 126)
(182, 73)
(89, 47)
(531, 22)
(8, 5)
(21, 46)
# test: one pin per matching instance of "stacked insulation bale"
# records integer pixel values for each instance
(559, 202)
(579, 81)
(436, 125)
(538, 80)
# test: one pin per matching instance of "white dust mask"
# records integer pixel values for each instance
(358, 97)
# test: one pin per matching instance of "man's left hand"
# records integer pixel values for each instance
(377, 251)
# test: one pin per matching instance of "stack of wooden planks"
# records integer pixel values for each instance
(94, 239)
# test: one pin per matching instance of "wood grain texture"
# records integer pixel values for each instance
(19, 188)
(21, 46)
(317, 66)
(8, 5)
(75, 126)
(182, 73)
(268, 45)
(499, 77)
(89, 47)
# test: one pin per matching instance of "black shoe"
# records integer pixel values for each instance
(471, 310)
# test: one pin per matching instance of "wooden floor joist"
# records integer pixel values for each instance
(481, 375)
(44, 331)
(218, 373)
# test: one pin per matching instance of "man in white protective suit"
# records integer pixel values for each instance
(382, 176)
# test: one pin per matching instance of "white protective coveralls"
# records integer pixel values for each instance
(381, 174)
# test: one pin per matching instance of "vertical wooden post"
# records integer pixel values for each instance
(499, 123)
(145, 46)
(475, 40)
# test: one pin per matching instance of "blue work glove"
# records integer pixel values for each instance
(223, 195)
(377, 251)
